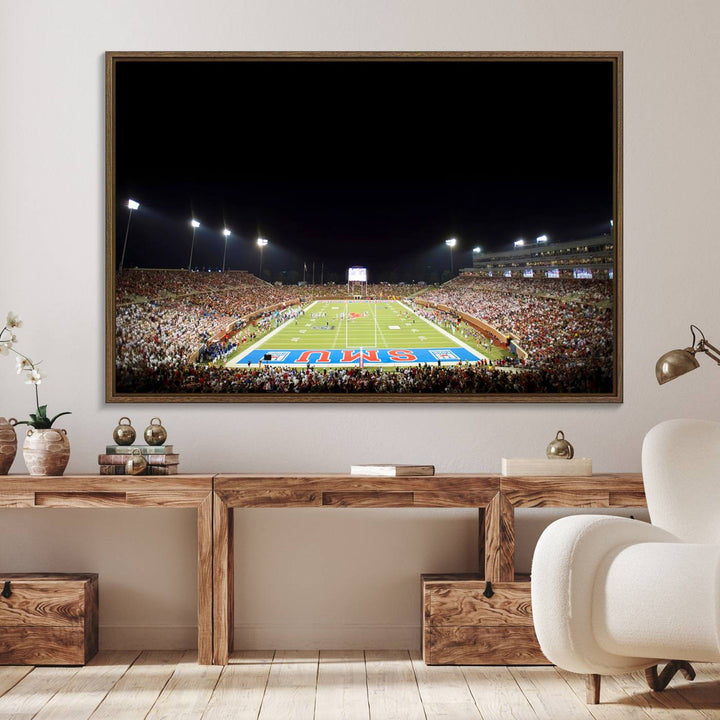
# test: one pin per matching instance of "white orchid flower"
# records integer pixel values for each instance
(13, 320)
(28, 370)
(23, 364)
(35, 377)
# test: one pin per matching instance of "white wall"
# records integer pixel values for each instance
(320, 577)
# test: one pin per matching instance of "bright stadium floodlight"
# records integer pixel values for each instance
(519, 243)
(227, 234)
(195, 225)
(261, 243)
(132, 205)
(541, 239)
(451, 243)
(477, 249)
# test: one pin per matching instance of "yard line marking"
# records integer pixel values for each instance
(475, 352)
(263, 340)
(379, 330)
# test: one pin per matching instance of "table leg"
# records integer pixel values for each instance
(499, 518)
(223, 581)
(205, 579)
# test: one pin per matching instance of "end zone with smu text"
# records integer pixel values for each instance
(358, 356)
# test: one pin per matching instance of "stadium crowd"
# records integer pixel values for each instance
(454, 379)
(553, 330)
(167, 319)
(142, 285)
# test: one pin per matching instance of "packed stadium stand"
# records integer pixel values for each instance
(586, 258)
(172, 325)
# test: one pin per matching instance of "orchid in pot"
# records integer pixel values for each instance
(46, 450)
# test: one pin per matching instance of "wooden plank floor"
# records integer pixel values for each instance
(344, 685)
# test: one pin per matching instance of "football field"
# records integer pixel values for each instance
(368, 333)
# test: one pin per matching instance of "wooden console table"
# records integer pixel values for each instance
(215, 497)
(495, 497)
(125, 491)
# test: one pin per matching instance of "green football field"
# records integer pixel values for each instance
(340, 332)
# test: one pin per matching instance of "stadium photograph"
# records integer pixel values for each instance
(364, 227)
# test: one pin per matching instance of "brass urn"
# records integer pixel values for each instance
(560, 448)
(155, 433)
(135, 464)
(124, 433)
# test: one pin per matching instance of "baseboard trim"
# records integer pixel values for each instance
(150, 637)
(254, 636)
(326, 637)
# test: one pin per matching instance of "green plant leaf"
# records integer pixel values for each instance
(67, 412)
(42, 411)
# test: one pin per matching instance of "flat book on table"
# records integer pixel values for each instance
(149, 470)
(109, 459)
(392, 470)
(144, 449)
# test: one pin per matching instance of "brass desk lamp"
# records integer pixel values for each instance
(677, 362)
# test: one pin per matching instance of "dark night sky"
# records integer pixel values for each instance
(359, 163)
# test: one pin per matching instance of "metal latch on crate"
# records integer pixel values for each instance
(6, 592)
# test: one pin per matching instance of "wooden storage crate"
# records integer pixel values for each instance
(461, 626)
(48, 618)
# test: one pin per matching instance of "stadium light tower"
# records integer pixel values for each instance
(451, 243)
(195, 225)
(477, 249)
(519, 243)
(227, 234)
(541, 239)
(261, 243)
(132, 205)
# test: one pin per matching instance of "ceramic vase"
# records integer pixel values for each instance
(8, 444)
(46, 452)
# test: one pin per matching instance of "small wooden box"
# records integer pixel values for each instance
(461, 626)
(48, 618)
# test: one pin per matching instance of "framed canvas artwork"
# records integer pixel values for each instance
(364, 227)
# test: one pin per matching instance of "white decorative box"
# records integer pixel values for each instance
(547, 466)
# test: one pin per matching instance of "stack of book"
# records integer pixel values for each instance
(160, 459)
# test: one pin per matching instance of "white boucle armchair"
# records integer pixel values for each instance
(613, 595)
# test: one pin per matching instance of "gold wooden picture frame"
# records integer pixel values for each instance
(364, 227)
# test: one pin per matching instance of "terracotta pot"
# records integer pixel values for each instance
(46, 452)
(8, 444)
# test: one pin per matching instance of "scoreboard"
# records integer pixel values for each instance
(357, 274)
